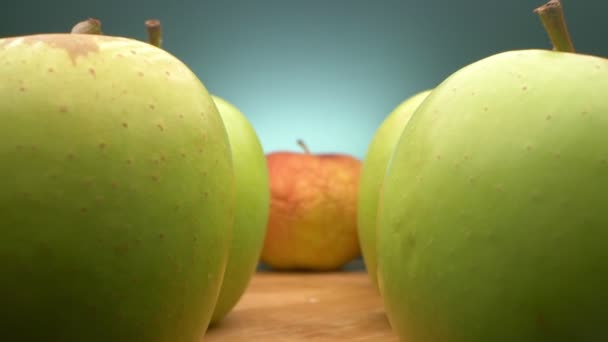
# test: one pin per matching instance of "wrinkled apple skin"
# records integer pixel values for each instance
(372, 174)
(493, 223)
(312, 223)
(252, 198)
(117, 200)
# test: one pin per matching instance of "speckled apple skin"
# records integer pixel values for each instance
(493, 223)
(116, 201)
(313, 211)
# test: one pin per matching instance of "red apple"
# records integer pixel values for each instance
(313, 210)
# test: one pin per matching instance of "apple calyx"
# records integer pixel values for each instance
(552, 16)
(89, 26)
(154, 32)
(303, 145)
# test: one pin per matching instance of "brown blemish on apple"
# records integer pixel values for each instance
(63, 109)
(44, 250)
(92, 72)
(74, 45)
(121, 249)
(541, 322)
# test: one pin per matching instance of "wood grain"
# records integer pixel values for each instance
(290, 307)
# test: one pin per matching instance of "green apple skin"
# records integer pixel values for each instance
(117, 198)
(252, 196)
(372, 174)
(492, 222)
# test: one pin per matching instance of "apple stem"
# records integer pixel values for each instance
(303, 146)
(552, 16)
(154, 33)
(89, 26)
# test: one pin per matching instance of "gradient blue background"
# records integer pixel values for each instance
(326, 71)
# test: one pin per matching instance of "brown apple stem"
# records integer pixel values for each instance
(89, 26)
(154, 33)
(303, 146)
(552, 16)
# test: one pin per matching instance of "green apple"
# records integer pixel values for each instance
(492, 223)
(372, 174)
(117, 199)
(252, 196)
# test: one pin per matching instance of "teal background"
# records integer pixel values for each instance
(326, 71)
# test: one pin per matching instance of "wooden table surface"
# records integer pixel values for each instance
(341, 306)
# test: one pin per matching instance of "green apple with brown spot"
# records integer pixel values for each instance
(117, 199)
(252, 197)
(493, 223)
(372, 175)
